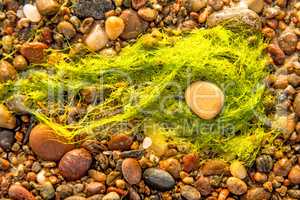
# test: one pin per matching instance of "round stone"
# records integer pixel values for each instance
(75, 164)
(238, 170)
(120, 142)
(7, 71)
(47, 7)
(46, 144)
(96, 39)
(20, 63)
(158, 179)
(7, 120)
(114, 26)
(236, 186)
(7, 139)
(204, 99)
(132, 171)
(67, 29)
(294, 175)
(31, 12)
(172, 166)
(190, 193)
(148, 14)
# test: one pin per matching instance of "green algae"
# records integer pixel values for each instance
(147, 82)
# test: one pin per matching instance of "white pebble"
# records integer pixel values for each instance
(147, 142)
(97, 39)
(41, 178)
(32, 13)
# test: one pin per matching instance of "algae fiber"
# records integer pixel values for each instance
(146, 83)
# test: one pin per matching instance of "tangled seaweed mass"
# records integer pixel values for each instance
(146, 83)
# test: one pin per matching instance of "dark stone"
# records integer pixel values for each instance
(159, 179)
(93, 8)
(7, 139)
(264, 163)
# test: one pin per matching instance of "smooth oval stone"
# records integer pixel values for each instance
(7, 139)
(96, 39)
(47, 7)
(190, 193)
(132, 171)
(238, 170)
(204, 99)
(120, 142)
(7, 120)
(214, 167)
(46, 144)
(236, 186)
(75, 164)
(158, 179)
(294, 175)
(235, 16)
(114, 26)
(31, 12)
(19, 192)
(7, 71)
(67, 29)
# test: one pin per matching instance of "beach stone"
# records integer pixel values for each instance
(264, 163)
(287, 41)
(64, 191)
(95, 188)
(34, 51)
(296, 104)
(147, 14)
(31, 12)
(7, 139)
(255, 5)
(197, 5)
(96, 39)
(114, 26)
(204, 99)
(120, 142)
(20, 63)
(47, 191)
(7, 71)
(46, 144)
(257, 193)
(4, 164)
(190, 193)
(172, 166)
(47, 7)
(236, 16)
(190, 162)
(67, 29)
(137, 4)
(294, 175)
(111, 196)
(133, 195)
(214, 167)
(158, 179)
(95, 8)
(132, 171)
(18, 192)
(282, 167)
(134, 26)
(7, 120)
(97, 176)
(238, 170)
(276, 53)
(236, 186)
(75, 164)
(203, 185)
(294, 193)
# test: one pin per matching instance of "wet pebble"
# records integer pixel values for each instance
(96, 39)
(7, 139)
(282, 167)
(158, 179)
(197, 5)
(255, 5)
(296, 104)
(264, 163)
(18, 192)
(215, 167)
(148, 14)
(31, 12)
(276, 53)
(95, 188)
(120, 142)
(172, 166)
(132, 171)
(7, 120)
(7, 72)
(111, 196)
(190, 162)
(136, 4)
(67, 29)
(203, 185)
(47, 191)
(114, 26)
(64, 191)
(288, 42)
(86, 24)
(97, 176)
(238, 170)
(236, 186)
(294, 175)
(34, 51)
(46, 144)
(20, 63)
(75, 164)
(257, 193)
(133, 24)
(47, 7)
(190, 193)
(294, 193)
